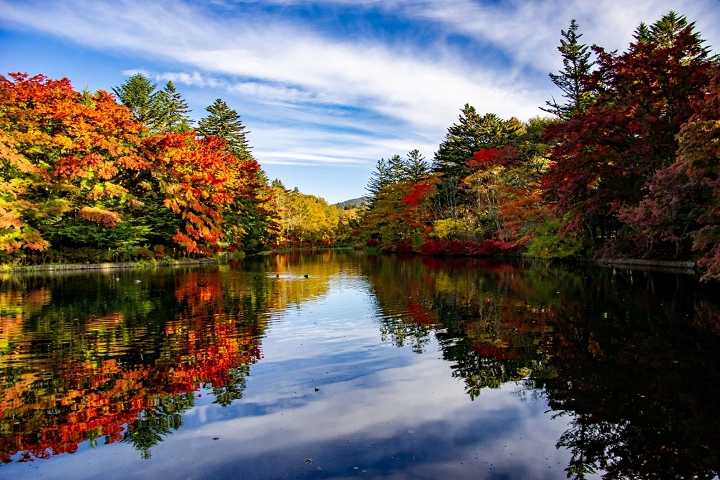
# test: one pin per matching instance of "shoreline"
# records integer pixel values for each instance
(671, 266)
(107, 266)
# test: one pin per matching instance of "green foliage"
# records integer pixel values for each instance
(416, 168)
(473, 132)
(175, 110)
(224, 122)
(396, 169)
(576, 67)
(550, 242)
(379, 178)
(138, 93)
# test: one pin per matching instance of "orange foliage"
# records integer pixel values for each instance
(202, 179)
(88, 399)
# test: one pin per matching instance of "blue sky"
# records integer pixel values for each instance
(328, 87)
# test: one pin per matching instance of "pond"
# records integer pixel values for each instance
(339, 365)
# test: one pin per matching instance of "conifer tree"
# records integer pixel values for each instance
(224, 122)
(379, 178)
(576, 66)
(398, 171)
(175, 110)
(473, 132)
(416, 167)
(147, 106)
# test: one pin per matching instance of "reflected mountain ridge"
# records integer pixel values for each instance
(629, 359)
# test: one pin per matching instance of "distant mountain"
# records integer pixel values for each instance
(355, 202)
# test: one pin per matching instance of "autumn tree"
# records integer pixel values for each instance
(304, 219)
(200, 183)
(606, 156)
(699, 155)
(63, 155)
(401, 215)
(683, 200)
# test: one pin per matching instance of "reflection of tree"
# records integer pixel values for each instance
(639, 376)
(163, 416)
(120, 363)
(631, 359)
(232, 389)
(478, 311)
(107, 358)
(483, 340)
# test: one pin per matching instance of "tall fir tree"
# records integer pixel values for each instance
(576, 66)
(416, 167)
(473, 132)
(379, 178)
(224, 122)
(398, 170)
(138, 93)
(175, 110)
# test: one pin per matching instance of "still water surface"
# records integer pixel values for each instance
(375, 367)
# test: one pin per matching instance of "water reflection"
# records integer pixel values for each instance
(632, 358)
(286, 366)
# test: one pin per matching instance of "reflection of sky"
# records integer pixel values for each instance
(380, 411)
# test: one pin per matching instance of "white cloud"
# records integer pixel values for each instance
(530, 31)
(418, 89)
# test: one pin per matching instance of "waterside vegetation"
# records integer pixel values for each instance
(626, 167)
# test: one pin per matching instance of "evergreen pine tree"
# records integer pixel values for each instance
(576, 66)
(379, 178)
(147, 106)
(666, 30)
(175, 110)
(416, 167)
(473, 132)
(224, 122)
(398, 169)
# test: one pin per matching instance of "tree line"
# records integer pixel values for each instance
(128, 175)
(626, 166)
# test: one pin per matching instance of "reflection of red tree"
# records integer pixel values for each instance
(493, 351)
(420, 314)
(89, 400)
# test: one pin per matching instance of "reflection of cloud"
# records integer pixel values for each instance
(411, 421)
(382, 409)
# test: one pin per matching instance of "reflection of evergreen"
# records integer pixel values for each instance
(638, 368)
(160, 419)
(401, 332)
(480, 368)
(473, 312)
(233, 389)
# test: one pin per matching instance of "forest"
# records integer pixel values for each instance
(624, 165)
